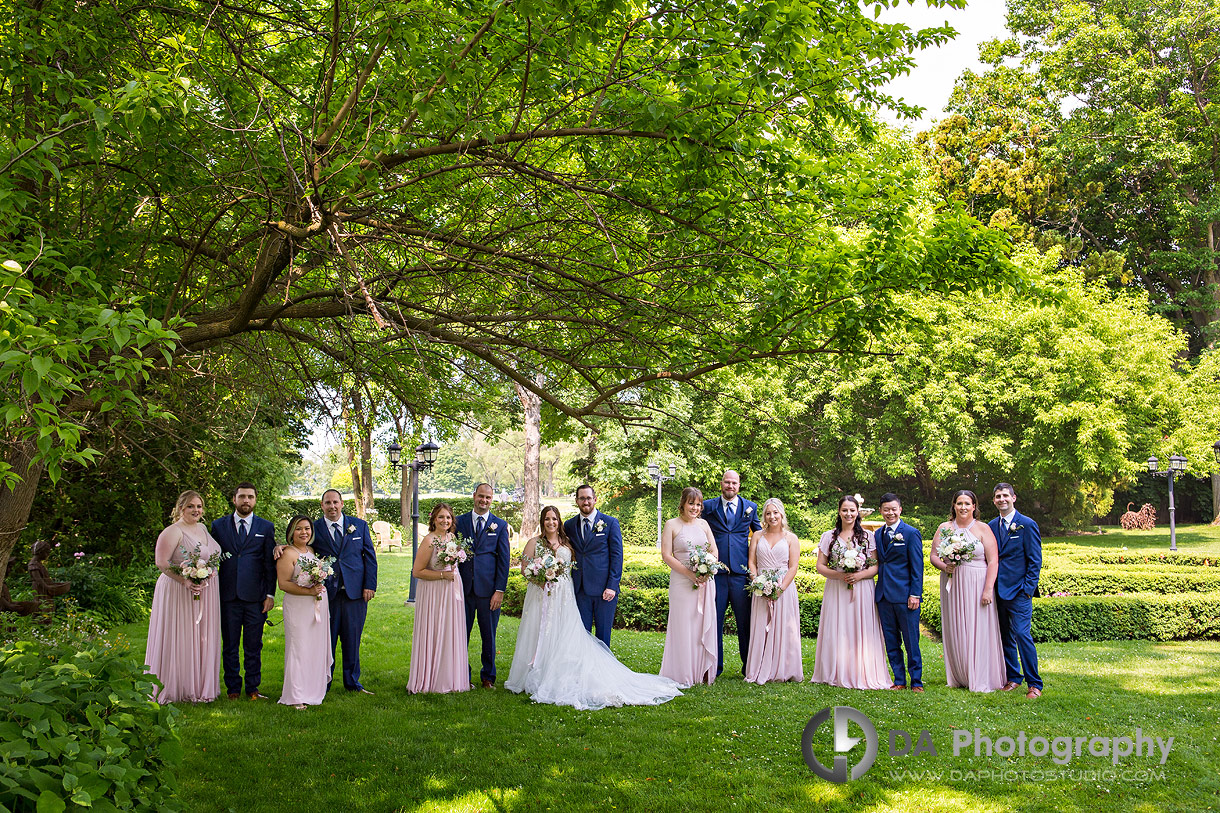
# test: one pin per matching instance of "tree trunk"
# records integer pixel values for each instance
(1216, 498)
(532, 405)
(364, 430)
(349, 445)
(15, 503)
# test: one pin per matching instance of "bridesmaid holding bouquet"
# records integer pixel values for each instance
(440, 659)
(775, 618)
(690, 635)
(966, 554)
(183, 649)
(850, 652)
(309, 659)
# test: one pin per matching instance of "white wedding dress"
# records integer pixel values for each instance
(557, 661)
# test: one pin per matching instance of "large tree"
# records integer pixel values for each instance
(585, 200)
(1127, 178)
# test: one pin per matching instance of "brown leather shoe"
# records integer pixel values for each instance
(1033, 693)
(917, 689)
(234, 695)
(257, 696)
(487, 684)
(1009, 686)
(898, 686)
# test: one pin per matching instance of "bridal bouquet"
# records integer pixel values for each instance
(453, 551)
(766, 583)
(955, 548)
(703, 563)
(195, 568)
(847, 557)
(545, 569)
(314, 571)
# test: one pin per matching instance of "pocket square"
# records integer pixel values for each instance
(257, 536)
(900, 544)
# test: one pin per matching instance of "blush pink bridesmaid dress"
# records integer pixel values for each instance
(775, 626)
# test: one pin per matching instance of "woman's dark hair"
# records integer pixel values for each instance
(563, 537)
(436, 509)
(857, 531)
(292, 524)
(953, 502)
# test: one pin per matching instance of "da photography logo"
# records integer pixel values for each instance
(844, 743)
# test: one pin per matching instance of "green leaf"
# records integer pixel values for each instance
(49, 802)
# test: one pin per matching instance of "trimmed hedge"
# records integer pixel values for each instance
(1148, 616)
(1120, 581)
(1145, 616)
(1179, 559)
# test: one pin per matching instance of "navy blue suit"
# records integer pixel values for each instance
(900, 576)
(599, 567)
(483, 574)
(733, 545)
(247, 577)
(1020, 563)
(355, 572)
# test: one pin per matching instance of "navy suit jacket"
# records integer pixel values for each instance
(900, 564)
(356, 558)
(1020, 557)
(733, 544)
(599, 558)
(486, 571)
(248, 573)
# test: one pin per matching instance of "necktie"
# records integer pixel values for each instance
(241, 533)
(1003, 527)
(729, 514)
(334, 527)
(588, 524)
(478, 528)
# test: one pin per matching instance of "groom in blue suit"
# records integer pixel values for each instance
(598, 543)
(484, 575)
(247, 589)
(732, 519)
(899, 591)
(1020, 562)
(355, 581)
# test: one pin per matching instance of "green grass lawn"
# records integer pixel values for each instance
(729, 746)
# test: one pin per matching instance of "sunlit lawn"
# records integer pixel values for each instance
(729, 746)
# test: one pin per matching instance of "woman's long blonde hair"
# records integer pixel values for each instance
(183, 499)
(783, 515)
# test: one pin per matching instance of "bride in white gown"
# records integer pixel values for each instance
(557, 661)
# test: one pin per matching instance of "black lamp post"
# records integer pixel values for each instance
(425, 456)
(654, 471)
(1177, 465)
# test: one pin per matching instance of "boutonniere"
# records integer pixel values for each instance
(600, 526)
(1012, 529)
(492, 527)
(749, 510)
(898, 537)
(351, 529)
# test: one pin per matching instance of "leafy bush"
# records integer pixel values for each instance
(1105, 581)
(1133, 558)
(112, 594)
(77, 728)
(1147, 616)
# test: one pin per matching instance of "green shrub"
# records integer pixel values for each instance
(1133, 558)
(111, 593)
(77, 728)
(1106, 581)
(1146, 616)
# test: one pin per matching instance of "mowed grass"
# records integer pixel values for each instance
(731, 746)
